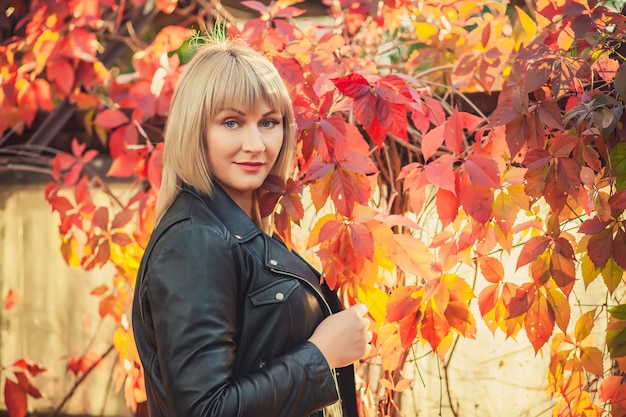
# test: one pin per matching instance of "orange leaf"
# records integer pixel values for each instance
(592, 360)
(560, 306)
(435, 326)
(99, 290)
(539, 322)
(405, 307)
(166, 6)
(491, 268)
(413, 256)
(562, 267)
(488, 298)
(11, 300)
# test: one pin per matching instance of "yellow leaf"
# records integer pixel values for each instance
(376, 300)
(588, 270)
(612, 274)
(425, 30)
(566, 38)
(529, 28)
(584, 325)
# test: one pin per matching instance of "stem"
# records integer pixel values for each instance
(80, 380)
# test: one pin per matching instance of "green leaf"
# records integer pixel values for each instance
(618, 164)
(616, 342)
(619, 312)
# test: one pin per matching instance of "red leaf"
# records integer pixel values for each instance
(592, 226)
(353, 85)
(124, 165)
(111, 118)
(483, 170)
(289, 69)
(101, 218)
(392, 117)
(432, 141)
(256, 5)
(362, 240)
(447, 207)
(121, 239)
(534, 247)
(600, 248)
(453, 133)
(122, 218)
(618, 200)
(550, 114)
(392, 89)
(365, 110)
(475, 199)
(619, 248)
(347, 188)
(568, 173)
(290, 12)
(15, 399)
(521, 301)
(61, 73)
(440, 172)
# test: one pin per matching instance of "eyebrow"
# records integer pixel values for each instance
(243, 113)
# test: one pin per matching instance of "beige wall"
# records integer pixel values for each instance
(57, 318)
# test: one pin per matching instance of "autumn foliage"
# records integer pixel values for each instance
(409, 180)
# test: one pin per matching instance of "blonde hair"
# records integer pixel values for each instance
(229, 74)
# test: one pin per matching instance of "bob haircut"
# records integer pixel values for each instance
(229, 74)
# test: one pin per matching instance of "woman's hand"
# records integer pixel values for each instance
(344, 337)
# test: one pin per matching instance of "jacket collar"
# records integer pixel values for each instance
(229, 213)
(275, 255)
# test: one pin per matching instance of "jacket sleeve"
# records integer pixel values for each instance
(193, 288)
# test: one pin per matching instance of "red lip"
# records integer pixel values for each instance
(250, 166)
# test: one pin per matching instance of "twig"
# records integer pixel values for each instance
(79, 381)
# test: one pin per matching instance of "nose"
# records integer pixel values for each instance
(253, 140)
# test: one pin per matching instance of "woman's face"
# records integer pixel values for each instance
(242, 148)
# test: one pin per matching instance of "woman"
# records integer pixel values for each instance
(228, 321)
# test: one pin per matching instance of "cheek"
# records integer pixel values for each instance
(276, 144)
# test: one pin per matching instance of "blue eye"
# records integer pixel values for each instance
(231, 124)
(269, 123)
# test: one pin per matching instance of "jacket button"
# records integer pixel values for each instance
(273, 262)
(238, 237)
(280, 296)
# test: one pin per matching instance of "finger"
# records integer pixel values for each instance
(368, 336)
(361, 309)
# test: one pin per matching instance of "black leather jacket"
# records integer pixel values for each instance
(221, 316)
